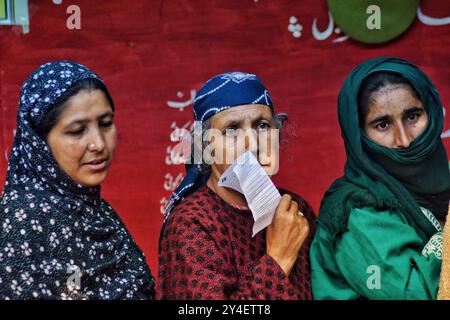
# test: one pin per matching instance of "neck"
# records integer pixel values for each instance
(230, 196)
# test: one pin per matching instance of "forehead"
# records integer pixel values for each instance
(86, 104)
(242, 112)
(393, 98)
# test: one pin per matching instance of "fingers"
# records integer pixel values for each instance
(294, 208)
(305, 224)
(304, 227)
(285, 203)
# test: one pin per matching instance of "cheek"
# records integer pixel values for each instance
(67, 153)
(268, 145)
(272, 160)
(111, 141)
(385, 139)
(422, 124)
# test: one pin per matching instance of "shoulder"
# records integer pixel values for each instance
(378, 231)
(199, 209)
(369, 217)
(363, 223)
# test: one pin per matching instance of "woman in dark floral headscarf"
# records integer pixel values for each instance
(58, 238)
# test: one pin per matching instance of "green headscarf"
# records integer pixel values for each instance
(399, 180)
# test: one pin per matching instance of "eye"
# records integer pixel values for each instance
(382, 126)
(413, 116)
(106, 124)
(76, 132)
(230, 131)
(263, 125)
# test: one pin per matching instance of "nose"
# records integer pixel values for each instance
(402, 139)
(96, 141)
(251, 141)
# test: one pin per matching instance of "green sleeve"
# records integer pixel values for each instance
(378, 257)
(326, 279)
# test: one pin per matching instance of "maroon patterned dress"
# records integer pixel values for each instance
(207, 252)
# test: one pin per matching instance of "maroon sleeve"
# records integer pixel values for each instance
(196, 265)
(301, 274)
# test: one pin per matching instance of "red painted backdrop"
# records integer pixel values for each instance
(150, 52)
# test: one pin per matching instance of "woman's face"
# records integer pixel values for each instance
(84, 138)
(395, 116)
(244, 128)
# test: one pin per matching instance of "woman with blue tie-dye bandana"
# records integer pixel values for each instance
(207, 250)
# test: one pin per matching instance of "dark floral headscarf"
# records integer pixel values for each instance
(59, 239)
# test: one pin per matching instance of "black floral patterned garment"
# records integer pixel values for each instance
(59, 239)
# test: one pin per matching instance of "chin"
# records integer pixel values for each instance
(93, 181)
(91, 184)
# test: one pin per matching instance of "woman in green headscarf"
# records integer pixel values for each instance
(379, 233)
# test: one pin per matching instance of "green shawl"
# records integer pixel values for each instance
(399, 180)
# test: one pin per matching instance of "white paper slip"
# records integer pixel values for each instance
(247, 176)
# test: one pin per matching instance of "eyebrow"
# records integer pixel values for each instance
(380, 119)
(83, 121)
(384, 118)
(412, 110)
(234, 122)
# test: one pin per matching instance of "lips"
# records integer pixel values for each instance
(97, 164)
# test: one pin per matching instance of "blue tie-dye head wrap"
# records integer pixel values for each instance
(219, 93)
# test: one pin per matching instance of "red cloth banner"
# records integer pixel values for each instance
(154, 55)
